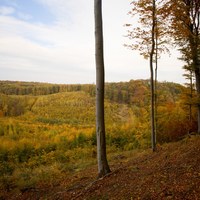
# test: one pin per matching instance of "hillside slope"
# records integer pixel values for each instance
(173, 172)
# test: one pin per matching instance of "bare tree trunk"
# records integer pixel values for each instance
(197, 76)
(153, 136)
(103, 167)
(156, 80)
(191, 96)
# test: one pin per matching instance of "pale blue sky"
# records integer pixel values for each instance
(53, 41)
(28, 10)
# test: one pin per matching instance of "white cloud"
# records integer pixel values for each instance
(46, 49)
(24, 16)
(6, 10)
(63, 51)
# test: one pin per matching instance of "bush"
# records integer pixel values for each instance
(118, 141)
(79, 141)
(3, 155)
(23, 153)
(1, 131)
(6, 168)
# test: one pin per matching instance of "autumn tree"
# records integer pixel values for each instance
(103, 167)
(185, 18)
(149, 38)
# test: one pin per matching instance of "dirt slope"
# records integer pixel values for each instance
(173, 172)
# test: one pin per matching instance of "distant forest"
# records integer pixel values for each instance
(132, 92)
(50, 128)
(175, 107)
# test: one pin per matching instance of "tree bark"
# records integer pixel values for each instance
(153, 135)
(197, 77)
(156, 78)
(103, 167)
(194, 44)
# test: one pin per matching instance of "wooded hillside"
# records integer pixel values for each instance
(47, 133)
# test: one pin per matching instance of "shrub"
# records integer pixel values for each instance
(6, 168)
(79, 141)
(23, 152)
(3, 155)
(1, 131)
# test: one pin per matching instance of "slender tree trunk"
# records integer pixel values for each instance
(191, 96)
(153, 136)
(197, 71)
(103, 167)
(197, 76)
(155, 100)
(156, 80)
(194, 43)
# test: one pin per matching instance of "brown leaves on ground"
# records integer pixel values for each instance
(173, 172)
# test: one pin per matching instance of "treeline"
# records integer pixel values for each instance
(133, 92)
(137, 92)
(35, 88)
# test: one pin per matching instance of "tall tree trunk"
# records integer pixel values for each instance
(197, 69)
(191, 96)
(103, 167)
(156, 79)
(153, 135)
(197, 77)
(193, 14)
(194, 44)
